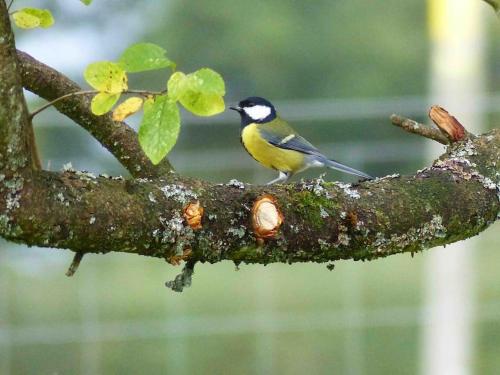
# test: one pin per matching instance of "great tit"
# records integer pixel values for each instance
(274, 144)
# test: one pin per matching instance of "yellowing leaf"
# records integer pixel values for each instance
(159, 128)
(103, 102)
(144, 56)
(28, 18)
(127, 108)
(106, 76)
(25, 20)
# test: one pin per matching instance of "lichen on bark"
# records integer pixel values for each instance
(322, 221)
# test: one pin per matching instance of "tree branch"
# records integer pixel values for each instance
(192, 220)
(15, 148)
(456, 198)
(120, 139)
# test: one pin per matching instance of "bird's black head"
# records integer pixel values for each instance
(255, 110)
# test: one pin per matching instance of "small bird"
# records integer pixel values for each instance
(274, 144)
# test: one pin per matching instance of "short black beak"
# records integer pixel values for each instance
(237, 109)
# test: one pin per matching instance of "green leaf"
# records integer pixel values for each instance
(29, 18)
(177, 85)
(203, 105)
(159, 128)
(86, 2)
(106, 76)
(207, 81)
(103, 102)
(144, 56)
(199, 92)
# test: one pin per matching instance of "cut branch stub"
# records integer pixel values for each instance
(193, 213)
(447, 123)
(266, 217)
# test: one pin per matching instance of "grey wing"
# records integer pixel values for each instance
(290, 142)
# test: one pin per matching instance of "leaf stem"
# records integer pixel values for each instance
(91, 92)
(145, 92)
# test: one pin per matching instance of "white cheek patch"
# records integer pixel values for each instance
(258, 112)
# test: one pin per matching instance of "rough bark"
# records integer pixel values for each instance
(455, 198)
(15, 150)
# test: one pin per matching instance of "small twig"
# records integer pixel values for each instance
(420, 129)
(10, 4)
(145, 93)
(91, 92)
(74, 264)
(52, 102)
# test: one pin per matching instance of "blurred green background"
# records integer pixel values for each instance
(337, 70)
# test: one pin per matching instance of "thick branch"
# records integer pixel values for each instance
(15, 152)
(120, 139)
(318, 221)
(182, 219)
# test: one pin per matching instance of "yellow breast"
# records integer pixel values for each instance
(268, 155)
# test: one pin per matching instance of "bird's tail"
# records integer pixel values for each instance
(344, 168)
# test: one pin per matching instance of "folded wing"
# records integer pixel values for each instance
(283, 136)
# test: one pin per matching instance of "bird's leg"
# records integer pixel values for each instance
(282, 177)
